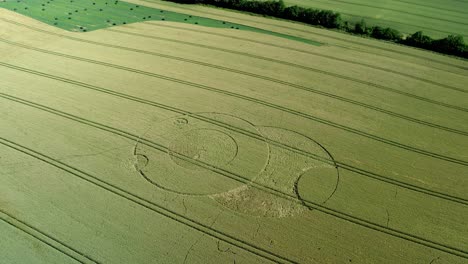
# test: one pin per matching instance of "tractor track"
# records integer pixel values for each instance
(46, 239)
(289, 84)
(257, 101)
(342, 165)
(201, 227)
(318, 54)
(318, 34)
(369, 84)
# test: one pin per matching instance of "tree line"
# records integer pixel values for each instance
(452, 44)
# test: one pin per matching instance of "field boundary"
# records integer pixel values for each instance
(318, 54)
(142, 13)
(453, 44)
(406, 24)
(321, 34)
(250, 55)
(370, 84)
(398, 11)
(285, 83)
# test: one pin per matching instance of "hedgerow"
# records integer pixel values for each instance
(452, 44)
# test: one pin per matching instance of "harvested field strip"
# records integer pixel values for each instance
(261, 102)
(344, 38)
(336, 163)
(316, 54)
(224, 35)
(370, 84)
(137, 199)
(198, 226)
(45, 238)
(371, 107)
(87, 16)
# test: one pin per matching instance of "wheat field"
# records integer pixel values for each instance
(164, 142)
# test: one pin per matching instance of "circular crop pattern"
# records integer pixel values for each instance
(201, 154)
(317, 185)
(300, 171)
(314, 173)
(209, 146)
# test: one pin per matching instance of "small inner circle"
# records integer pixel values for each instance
(208, 146)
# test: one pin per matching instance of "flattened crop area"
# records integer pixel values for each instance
(161, 142)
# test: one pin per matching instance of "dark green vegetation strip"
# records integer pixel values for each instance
(452, 45)
(87, 15)
(343, 38)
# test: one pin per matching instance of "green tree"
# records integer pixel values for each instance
(360, 27)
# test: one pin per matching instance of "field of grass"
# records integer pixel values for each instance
(168, 142)
(435, 18)
(88, 15)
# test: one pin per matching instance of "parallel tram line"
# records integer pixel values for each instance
(250, 55)
(435, 7)
(318, 34)
(201, 227)
(47, 239)
(296, 86)
(205, 229)
(290, 64)
(150, 23)
(366, 83)
(246, 133)
(318, 54)
(402, 11)
(257, 101)
(418, 27)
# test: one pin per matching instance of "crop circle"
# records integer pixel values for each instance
(300, 171)
(200, 154)
(208, 146)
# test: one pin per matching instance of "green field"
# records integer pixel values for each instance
(88, 15)
(435, 18)
(168, 142)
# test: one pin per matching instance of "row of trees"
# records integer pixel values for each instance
(374, 32)
(453, 45)
(324, 18)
